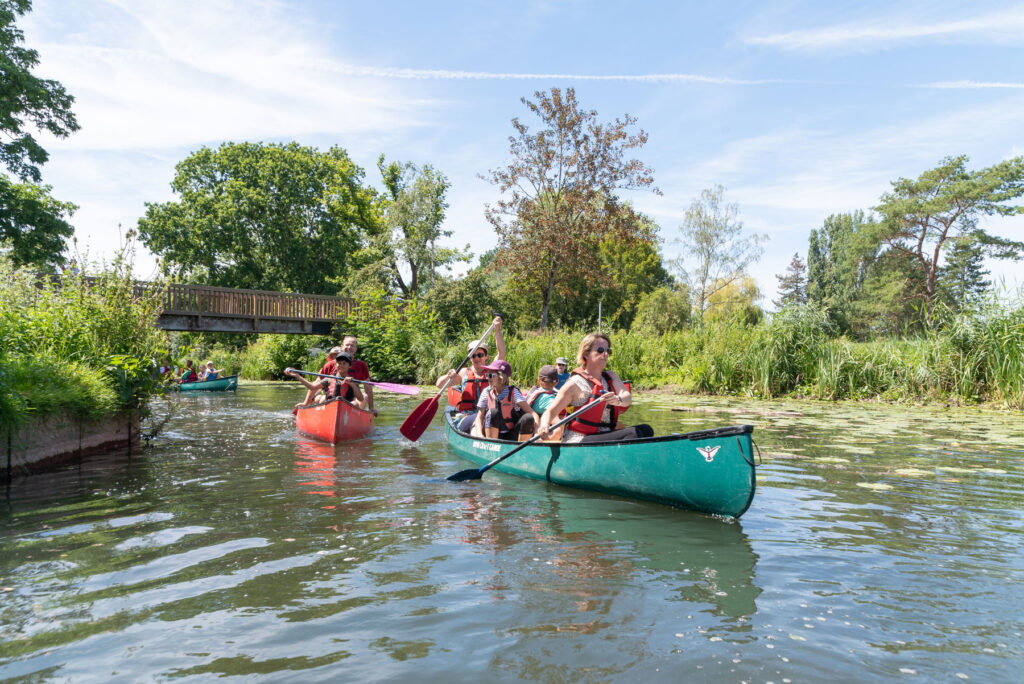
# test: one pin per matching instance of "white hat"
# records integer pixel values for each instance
(562, 360)
(473, 346)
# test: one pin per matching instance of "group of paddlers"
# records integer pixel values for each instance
(346, 371)
(189, 374)
(493, 408)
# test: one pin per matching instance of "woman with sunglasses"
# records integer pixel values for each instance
(472, 377)
(590, 381)
(502, 411)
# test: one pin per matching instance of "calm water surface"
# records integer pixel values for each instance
(882, 544)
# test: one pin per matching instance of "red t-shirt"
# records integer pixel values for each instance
(328, 367)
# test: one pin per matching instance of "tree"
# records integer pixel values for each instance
(263, 216)
(33, 225)
(838, 256)
(406, 250)
(919, 216)
(712, 236)
(634, 270)
(560, 196)
(961, 282)
(663, 310)
(736, 299)
(792, 283)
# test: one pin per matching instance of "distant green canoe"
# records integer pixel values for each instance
(218, 385)
(711, 471)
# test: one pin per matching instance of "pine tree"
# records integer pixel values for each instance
(961, 280)
(792, 284)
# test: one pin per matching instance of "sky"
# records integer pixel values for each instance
(799, 109)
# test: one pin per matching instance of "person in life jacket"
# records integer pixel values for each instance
(543, 394)
(472, 378)
(502, 410)
(189, 375)
(340, 386)
(589, 381)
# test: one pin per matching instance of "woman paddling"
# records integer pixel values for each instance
(473, 378)
(586, 383)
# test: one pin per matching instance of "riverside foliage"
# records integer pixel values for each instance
(961, 358)
(68, 345)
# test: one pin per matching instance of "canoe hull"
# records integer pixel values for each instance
(229, 383)
(334, 421)
(711, 471)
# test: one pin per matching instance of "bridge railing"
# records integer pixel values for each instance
(204, 300)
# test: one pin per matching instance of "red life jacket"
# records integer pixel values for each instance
(340, 389)
(591, 421)
(506, 406)
(536, 392)
(471, 391)
(191, 377)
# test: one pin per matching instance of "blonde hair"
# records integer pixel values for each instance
(587, 344)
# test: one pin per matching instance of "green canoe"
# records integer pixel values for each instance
(218, 385)
(711, 471)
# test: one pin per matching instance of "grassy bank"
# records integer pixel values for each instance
(75, 348)
(965, 359)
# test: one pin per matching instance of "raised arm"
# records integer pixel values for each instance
(499, 340)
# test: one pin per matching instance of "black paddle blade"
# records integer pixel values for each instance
(465, 475)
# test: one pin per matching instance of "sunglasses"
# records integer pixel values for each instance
(480, 355)
(602, 350)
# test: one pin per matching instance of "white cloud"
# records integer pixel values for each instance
(972, 85)
(1006, 27)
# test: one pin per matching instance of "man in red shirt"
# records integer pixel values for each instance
(359, 370)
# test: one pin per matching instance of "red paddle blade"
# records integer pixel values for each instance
(419, 420)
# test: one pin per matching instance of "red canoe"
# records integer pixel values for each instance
(334, 421)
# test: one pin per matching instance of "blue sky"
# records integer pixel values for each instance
(800, 109)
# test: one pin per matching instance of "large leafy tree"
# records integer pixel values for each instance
(560, 196)
(918, 216)
(33, 225)
(713, 241)
(405, 253)
(263, 216)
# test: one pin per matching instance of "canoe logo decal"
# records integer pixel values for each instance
(708, 452)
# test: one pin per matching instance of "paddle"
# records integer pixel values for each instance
(420, 418)
(477, 473)
(389, 386)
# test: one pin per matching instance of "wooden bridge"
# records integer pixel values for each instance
(198, 308)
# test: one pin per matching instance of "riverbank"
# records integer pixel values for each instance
(53, 441)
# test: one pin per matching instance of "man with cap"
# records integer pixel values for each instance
(562, 365)
(472, 377)
(502, 410)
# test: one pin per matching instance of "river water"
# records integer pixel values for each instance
(883, 543)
